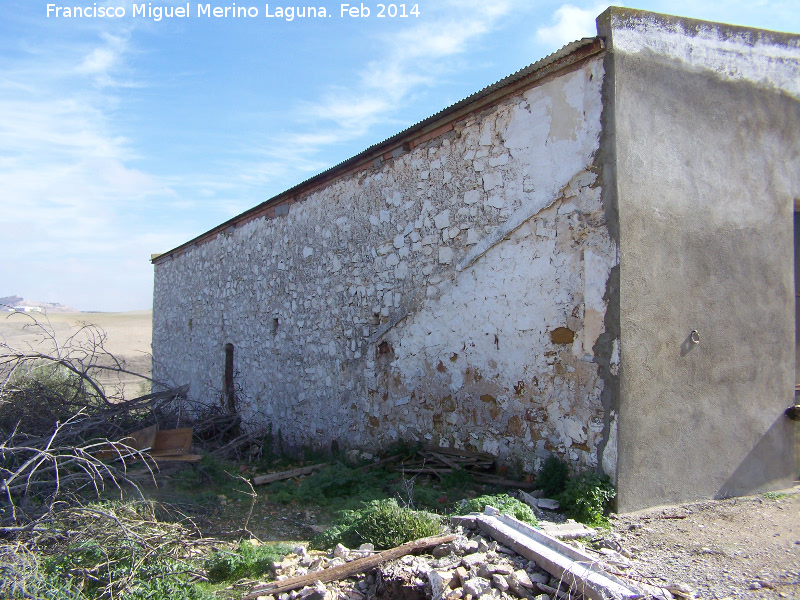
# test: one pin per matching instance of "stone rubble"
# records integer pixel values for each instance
(472, 567)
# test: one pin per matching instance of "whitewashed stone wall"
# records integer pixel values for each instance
(417, 299)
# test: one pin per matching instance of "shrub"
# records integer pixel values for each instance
(502, 502)
(552, 477)
(586, 498)
(383, 523)
(247, 561)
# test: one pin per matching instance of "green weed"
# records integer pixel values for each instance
(553, 476)
(774, 495)
(247, 561)
(383, 523)
(586, 498)
(502, 502)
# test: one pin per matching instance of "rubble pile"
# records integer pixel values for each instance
(465, 568)
(470, 567)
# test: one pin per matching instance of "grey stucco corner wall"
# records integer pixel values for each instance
(705, 170)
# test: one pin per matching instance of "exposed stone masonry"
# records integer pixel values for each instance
(453, 294)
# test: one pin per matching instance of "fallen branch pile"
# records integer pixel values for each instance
(65, 428)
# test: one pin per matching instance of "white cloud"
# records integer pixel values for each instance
(411, 60)
(571, 23)
(71, 196)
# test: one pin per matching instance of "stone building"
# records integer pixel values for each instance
(592, 257)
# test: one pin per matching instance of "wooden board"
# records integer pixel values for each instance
(142, 439)
(172, 441)
(270, 477)
(177, 457)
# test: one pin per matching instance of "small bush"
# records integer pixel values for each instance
(552, 477)
(502, 502)
(586, 498)
(381, 522)
(247, 561)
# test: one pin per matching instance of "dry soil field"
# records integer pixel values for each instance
(127, 335)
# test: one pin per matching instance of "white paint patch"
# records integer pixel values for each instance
(731, 53)
(609, 460)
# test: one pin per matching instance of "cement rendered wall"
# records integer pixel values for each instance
(702, 155)
(418, 299)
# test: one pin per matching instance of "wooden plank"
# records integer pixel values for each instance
(173, 439)
(421, 470)
(445, 460)
(176, 457)
(142, 439)
(496, 480)
(349, 569)
(270, 477)
(382, 463)
(461, 453)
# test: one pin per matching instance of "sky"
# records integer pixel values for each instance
(127, 135)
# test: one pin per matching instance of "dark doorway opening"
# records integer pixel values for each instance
(228, 390)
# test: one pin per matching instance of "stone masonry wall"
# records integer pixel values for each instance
(452, 295)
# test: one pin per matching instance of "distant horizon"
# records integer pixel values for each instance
(127, 136)
(60, 307)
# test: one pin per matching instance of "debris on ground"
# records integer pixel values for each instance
(469, 565)
(440, 461)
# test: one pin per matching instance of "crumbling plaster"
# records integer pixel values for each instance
(416, 300)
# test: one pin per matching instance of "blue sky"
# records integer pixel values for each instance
(127, 136)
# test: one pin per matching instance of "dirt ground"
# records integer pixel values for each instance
(737, 548)
(128, 336)
(728, 549)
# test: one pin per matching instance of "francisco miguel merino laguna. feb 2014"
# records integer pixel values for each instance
(207, 10)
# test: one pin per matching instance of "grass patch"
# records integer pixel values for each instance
(248, 560)
(383, 523)
(774, 495)
(502, 502)
(335, 486)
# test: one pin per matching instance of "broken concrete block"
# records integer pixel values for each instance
(471, 561)
(465, 521)
(539, 577)
(477, 586)
(522, 579)
(548, 504)
(485, 571)
(500, 582)
(440, 583)
(445, 255)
